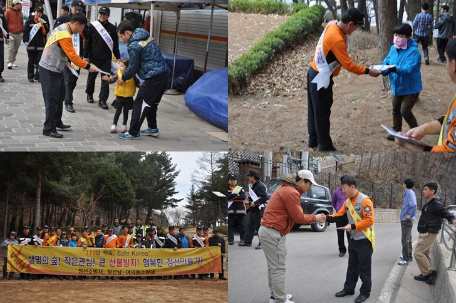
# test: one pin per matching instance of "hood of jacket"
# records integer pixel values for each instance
(446, 16)
(139, 34)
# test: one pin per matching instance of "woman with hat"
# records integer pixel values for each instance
(5, 244)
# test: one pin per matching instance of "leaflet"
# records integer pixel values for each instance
(237, 190)
(396, 134)
(381, 67)
(252, 194)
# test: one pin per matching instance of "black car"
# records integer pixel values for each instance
(317, 200)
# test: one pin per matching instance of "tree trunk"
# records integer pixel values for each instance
(6, 208)
(38, 197)
(376, 17)
(401, 12)
(362, 8)
(331, 8)
(343, 7)
(13, 223)
(387, 20)
(438, 11)
(351, 3)
(414, 8)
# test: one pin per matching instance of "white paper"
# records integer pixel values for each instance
(381, 67)
(237, 190)
(396, 134)
(252, 194)
(229, 203)
(114, 67)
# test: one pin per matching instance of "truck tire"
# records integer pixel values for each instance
(319, 227)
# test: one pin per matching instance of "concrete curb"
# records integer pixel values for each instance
(444, 290)
(393, 283)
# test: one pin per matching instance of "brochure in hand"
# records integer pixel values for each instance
(396, 134)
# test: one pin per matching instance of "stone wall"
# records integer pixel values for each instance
(390, 215)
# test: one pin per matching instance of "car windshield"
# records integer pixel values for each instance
(272, 185)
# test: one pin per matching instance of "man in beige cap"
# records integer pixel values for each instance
(283, 210)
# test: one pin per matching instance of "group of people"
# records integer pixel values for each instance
(57, 55)
(354, 217)
(402, 64)
(237, 210)
(137, 236)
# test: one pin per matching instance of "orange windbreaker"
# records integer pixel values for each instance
(284, 210)
(449, 139)
(334, 42)
(122, 239)
(67, 46)
(368, 217)
(46, 238)
(111, 244)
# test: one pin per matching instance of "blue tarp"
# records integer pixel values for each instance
(208, 97)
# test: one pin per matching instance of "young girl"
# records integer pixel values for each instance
(124, 95)
(405, 76)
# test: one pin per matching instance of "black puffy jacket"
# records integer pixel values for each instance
(432, 215)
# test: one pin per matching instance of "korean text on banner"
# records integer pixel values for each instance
(111, 262)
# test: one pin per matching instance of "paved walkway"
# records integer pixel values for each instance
(22, 117)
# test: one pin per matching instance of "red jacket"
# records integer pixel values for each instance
(284, 209)
(15, 21)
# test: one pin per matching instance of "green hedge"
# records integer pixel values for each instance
(264, 7)
(289, 34)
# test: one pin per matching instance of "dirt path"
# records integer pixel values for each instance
(271, 114)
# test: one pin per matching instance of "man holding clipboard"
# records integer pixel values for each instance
(236, 208)
(98, 49)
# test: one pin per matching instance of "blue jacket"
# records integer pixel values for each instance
(407, 80)
(409, 205)
(146, 61)
(185, 242)
(73, 243)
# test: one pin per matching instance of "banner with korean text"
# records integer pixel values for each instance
(112, 262)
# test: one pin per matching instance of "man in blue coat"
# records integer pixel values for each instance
(147, 62)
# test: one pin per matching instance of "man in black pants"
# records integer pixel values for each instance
(236, 208)
(69, 78)
(147, 61)
(257, 197)
(98, 49)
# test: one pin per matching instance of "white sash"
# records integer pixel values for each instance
(104, 34)
(37, 239)
(25, 241)
(325, 70)
(172, 239)
(157, 239)
(110, 239)
(33, 31)
(200, 241)
(128, 241)
(72, 68)
(75, 39)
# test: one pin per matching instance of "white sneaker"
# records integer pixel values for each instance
(10, 65)
(114, 128)
(14, 64)
(289, 297)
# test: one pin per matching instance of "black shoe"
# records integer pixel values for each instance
(361, 298)
(327, 149)
(52, 134)
(421, 278)
(230, 243)
(90, 99)
(222, 278)
(244, 244)
(390, 137)
(10, 277)
(344, 293)
(203, 277)
(31, 80)
(165, 278)
(258, 246)
(69, 108)
(102, 104)
(63, 126)
(432, 277)
(1, 79)
(426, 61)
(312, 144)
(341, 254)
